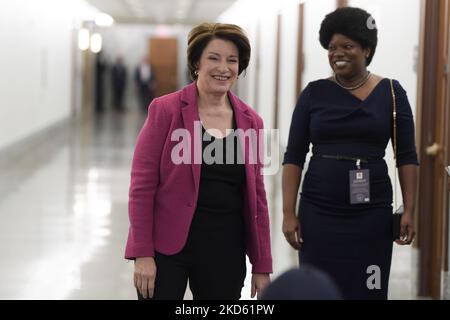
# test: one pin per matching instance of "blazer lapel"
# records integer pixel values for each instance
(191, 120)
(244, 121)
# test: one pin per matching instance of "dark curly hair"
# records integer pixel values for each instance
(354, 23)
(201, 35)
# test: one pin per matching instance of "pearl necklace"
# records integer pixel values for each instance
(363, 82)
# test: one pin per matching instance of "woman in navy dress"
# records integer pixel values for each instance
(347, 118)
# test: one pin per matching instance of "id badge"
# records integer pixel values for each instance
(359, 186)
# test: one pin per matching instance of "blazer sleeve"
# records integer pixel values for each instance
(406, 143)
(264, 263)
(145, 180)
(299, 133)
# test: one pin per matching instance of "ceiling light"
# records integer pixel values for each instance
(96, 43)
(103, 20)
(83, 39)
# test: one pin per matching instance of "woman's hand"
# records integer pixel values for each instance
(408, 183)
(144, 276)
(292, 231)
(407, 232)
(259, 283)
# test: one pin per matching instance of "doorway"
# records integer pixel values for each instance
(164, 60)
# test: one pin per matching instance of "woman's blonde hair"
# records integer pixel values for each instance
(201, 35)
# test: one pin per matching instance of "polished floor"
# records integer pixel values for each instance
(64, 220)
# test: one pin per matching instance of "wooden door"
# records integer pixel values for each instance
(164, 61)
(446, 137)
(434, 122)
(341, 3)
(300, 53)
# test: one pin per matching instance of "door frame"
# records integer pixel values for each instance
(432, 206)
(300, 53)
(154, 45)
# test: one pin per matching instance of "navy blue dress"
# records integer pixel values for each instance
(348, 241)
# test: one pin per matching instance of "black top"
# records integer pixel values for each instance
(221, 179)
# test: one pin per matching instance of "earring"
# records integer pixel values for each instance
(196, 72)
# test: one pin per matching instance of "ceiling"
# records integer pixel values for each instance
(188, 12)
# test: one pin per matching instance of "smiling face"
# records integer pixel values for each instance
(218, 67)
(347, 58)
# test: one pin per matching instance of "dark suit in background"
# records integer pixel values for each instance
(145, 82)
(119, 78)
(100, 67)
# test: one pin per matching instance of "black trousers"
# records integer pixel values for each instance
(213, 260)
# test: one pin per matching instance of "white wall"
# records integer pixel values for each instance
(398, 40)
(251, 15)
(245, 87)
(316, 60)
(35, 64)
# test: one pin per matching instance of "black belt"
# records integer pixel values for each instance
(339, 157)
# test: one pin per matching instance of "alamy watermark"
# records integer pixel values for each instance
(256, 147)
(374, 280)
(371, 24)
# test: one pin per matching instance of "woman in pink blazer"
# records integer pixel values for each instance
(197, 203)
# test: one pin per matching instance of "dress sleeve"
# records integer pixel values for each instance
(406, 142)
(299, 133)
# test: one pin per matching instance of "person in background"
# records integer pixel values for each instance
(145, 82)
(197, 220)
(119, 81)
(100, 68)
(344, 223)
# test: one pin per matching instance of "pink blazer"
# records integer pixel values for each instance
(163, 195)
